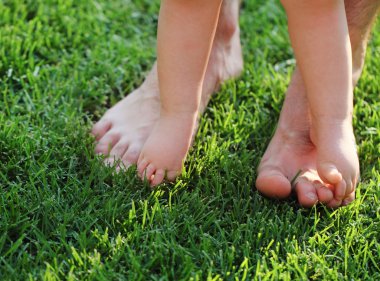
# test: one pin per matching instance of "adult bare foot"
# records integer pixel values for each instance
(290, 162)
(123, 130)
(291, 148)
(291, 154)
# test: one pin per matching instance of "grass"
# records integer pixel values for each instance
(64, 216)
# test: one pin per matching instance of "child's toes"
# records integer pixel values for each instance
(172, 175)
(158, 177)
(329, 173)
(334, 203)
(306, 193)
(325, 194)
(141, 166)
(350, 187)
(148, 172)
(349, 199)
(340, 190)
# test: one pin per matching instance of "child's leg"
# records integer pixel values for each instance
(185, 34)
(123, 129)
(320, 38)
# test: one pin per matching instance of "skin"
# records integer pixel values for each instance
(124, 128)
(186, 30)
(291, 148)
(319, 34)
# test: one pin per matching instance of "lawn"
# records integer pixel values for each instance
(64, 216)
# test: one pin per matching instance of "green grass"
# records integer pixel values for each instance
(65, 216)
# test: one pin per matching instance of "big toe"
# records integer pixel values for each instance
(329, 173)
(272, 183)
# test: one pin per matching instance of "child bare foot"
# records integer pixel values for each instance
(166, 148)
(337, 160)
(124, 129)
(183, 53)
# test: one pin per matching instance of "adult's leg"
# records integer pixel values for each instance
(291, 149)
(124, 128)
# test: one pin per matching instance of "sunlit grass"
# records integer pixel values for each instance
(66, 216)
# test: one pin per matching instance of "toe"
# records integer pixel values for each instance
(349, 188)
(101, 128)
(141, 166)
(340, 190)
(274, 184)
(334, 203)
(172, 175)
(149, 171)
(306, 193)
(131, 155)
(106, 143)
(117, 151)
(349, 199)
(325, 195)
(158, 178)
(329, 173)
(110, 162)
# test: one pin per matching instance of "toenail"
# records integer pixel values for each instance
(346, 202)
(311, 196)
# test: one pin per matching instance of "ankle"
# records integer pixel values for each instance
(326, 121)
(179, 114)
(228, 24)
(325, 130)
(358, 56)
(227, 29)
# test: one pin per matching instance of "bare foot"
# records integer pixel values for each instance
(291, 148)
(337, 160)
(124, 129)
(290, 151)
(165, 150)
